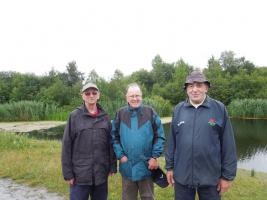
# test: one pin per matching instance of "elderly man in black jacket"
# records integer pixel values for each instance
(87, 153)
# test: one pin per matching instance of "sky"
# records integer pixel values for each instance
(105, 35)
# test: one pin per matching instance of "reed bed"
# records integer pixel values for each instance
(27, 111)
(248, 108)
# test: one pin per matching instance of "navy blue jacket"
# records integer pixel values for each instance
(201, 147)
(137, 134)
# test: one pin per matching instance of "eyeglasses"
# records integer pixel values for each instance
(90, 93)
(135, 96)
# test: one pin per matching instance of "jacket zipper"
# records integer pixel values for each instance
(193, 145)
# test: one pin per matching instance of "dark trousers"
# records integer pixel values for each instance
(188, 193)
(82, 192)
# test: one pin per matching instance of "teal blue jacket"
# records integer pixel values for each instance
(137, 134)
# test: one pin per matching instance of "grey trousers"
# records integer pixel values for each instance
(130, 189)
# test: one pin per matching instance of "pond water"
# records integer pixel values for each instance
(251, 142)
(250, 135)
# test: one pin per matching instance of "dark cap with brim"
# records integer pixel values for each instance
(89, 85)
(159, 177)
(196, 76)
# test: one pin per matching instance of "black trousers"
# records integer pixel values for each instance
(82, 192)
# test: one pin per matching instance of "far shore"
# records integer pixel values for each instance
(28, 126)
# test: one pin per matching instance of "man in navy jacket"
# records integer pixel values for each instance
(201, 153)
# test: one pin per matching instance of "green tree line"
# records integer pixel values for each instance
(231, 78)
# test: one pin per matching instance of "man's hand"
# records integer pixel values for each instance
(123, 159)
(223, 186)
(170, 177)
(153, 163)
(71, 181)
(111, 174)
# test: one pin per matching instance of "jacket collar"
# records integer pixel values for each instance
(206, 102)
(135, 109)
(99, 107)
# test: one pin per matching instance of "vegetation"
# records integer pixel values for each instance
(29, 111)
(231, 79)
(37, 163)
(254, 108)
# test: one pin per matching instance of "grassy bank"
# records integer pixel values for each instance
(37, 163)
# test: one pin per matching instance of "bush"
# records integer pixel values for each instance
(161, 106)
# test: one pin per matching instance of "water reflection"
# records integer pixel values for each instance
(251, 142)
(54, 133)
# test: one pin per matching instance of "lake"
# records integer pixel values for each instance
(251, 142)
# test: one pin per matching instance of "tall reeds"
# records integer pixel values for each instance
(248, 108)
(27, 111)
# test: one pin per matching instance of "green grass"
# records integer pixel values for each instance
(37, 163)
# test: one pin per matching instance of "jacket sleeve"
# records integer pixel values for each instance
(171, 146)
(67, 152)
(112, 156)
(228, 147)
(158, 145)
(115, 134)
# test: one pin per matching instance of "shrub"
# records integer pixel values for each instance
(161, 106)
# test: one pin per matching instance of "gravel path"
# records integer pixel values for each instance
(9, 190)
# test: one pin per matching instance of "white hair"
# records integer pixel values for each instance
(132, 85)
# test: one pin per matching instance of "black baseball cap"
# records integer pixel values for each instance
(159, 177)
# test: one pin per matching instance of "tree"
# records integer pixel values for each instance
(73, 75)
(6, 85)
(228, 62)
(118, 75)
(58, 93)
(245, 65)
(144, 78)
(25, 87)
(232, 65)
(162, 72)
(93, 77)
(173, 89)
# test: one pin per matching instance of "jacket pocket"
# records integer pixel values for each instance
(140, 171)
(125, 169)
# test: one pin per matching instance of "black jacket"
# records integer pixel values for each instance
(87, 152)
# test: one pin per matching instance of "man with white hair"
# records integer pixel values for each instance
(138, 140)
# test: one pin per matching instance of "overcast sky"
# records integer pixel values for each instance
(106, 35)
